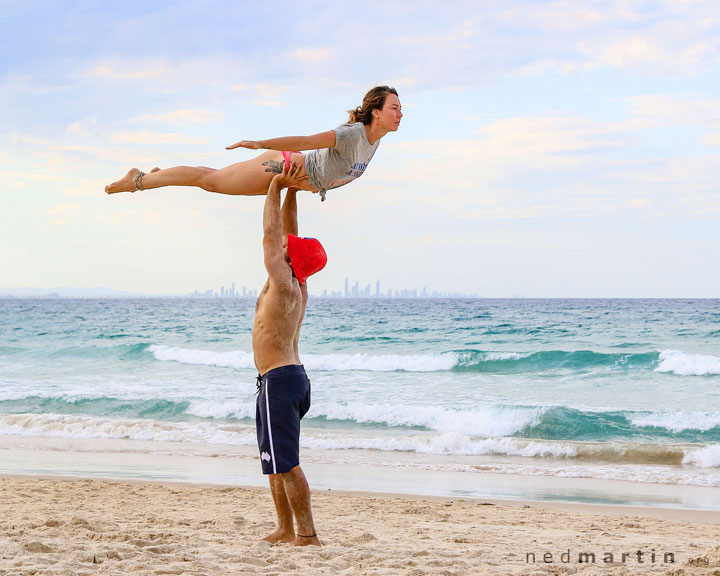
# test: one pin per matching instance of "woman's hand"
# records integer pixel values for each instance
(292, 178)
(250, 144)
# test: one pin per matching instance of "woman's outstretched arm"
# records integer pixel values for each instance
(295, 143)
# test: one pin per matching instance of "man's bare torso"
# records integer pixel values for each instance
(276, 331)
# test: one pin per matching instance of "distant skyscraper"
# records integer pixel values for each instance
(347, 285)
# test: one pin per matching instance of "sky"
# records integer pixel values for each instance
(548, 149)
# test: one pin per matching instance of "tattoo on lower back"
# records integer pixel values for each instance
(274, 166)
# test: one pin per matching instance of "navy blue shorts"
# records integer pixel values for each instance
(283, 399)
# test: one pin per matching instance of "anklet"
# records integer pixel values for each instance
(311, 535)
(138, 180)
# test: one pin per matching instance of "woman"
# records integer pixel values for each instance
(336, 158)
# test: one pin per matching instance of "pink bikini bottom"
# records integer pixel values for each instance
(286, 154)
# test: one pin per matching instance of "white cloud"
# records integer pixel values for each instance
(270, 94)
(675, 38)
(185, 117)
(713, 139)
(117, 72)
(540, 65)
(270, 90)
(269, 103)
(148, 137)
(666, 110)
(14, 179)
(626, 52)
(81, 127)
(549, 137)
(312, 55)
(65, 213)
(169, 74)
(549, 166)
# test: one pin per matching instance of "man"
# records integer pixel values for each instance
(283, 387)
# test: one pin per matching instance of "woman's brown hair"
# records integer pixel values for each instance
(374, 100)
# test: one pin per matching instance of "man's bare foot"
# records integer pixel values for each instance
(280, 536)
(307, 541)
(125, 184)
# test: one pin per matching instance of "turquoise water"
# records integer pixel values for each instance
(615, 389)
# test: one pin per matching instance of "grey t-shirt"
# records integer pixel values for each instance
(333, 167)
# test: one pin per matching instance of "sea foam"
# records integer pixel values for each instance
(70, 426)
(685, 364)
(232, 359)
(460, 360)
(677, 421)
(221, 410)
(320, 362)
(706, 457)
(195, 437)
(84, 427)
(449, 443)
(626, 473)
(487, 421)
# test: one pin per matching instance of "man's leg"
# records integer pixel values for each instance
(285, 531)
(298, 494)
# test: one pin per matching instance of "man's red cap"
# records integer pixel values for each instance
(306, 255)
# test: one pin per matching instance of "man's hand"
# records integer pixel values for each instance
(292, 178)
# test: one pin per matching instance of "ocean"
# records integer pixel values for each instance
(620, 390)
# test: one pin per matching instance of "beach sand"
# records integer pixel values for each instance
(68, 526)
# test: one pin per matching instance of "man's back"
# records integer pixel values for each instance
(278, 317)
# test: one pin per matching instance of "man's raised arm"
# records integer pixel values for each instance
(275, 264)
(276, 224)
(289, 213)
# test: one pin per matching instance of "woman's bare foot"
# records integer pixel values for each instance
(307, 541)
(127, 183)
(280, 536)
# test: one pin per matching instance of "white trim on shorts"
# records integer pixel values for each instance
(269, 425)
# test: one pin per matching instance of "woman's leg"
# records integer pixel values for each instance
(178, 176)
(249, 178)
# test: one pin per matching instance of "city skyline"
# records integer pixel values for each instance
(350, 291)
